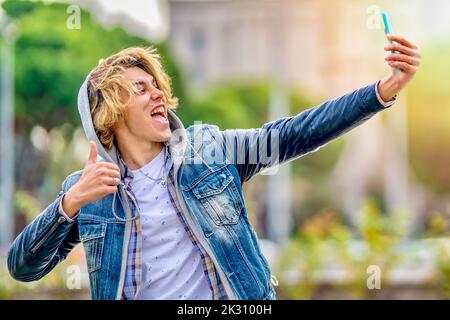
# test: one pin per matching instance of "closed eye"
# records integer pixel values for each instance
(139, 88)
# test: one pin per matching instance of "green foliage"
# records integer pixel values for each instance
(382, 232)
(17, 9)
(229, 105)
(444, 266)
(27, 204)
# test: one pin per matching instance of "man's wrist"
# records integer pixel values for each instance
(388, 88)
(70, 205)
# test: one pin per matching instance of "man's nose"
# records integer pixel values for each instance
(157, 94)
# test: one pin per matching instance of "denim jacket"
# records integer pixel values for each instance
(210, 167)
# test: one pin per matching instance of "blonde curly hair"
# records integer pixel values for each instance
(107, 88)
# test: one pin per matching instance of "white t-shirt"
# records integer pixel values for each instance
(172, 267)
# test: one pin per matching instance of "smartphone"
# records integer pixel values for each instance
(389, 29)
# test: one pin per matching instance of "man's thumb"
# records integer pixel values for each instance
(93, 154)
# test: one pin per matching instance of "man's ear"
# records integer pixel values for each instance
(126, 96)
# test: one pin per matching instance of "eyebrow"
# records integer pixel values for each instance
(144, 81)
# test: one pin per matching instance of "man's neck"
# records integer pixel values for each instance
(138, 154)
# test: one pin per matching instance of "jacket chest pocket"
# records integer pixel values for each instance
(219, 196)
(92, 235)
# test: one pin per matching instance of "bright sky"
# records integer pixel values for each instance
(151, 15)
(145, 11)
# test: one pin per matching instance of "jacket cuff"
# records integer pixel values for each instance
(61, 211)
(381, 101)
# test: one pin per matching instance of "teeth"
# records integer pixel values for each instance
(158, 110)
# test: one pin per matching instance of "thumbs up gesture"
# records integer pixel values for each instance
(97, 180)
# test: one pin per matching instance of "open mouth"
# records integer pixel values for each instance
(159, 114)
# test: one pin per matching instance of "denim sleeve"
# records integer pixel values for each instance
(276, 142)
(45, 242)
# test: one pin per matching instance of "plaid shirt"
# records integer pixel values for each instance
(133, 275)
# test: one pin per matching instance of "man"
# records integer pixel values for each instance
(163, 215)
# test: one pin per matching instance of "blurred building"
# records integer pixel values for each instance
(296, 40)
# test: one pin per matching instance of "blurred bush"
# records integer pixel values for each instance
(326, 255)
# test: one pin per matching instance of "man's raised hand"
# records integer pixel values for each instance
(97, 180)
(407, 58)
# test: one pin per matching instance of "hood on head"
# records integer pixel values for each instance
(111, 155)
